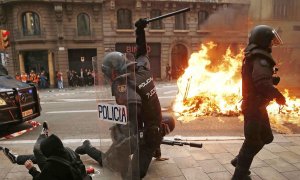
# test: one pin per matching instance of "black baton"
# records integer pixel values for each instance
(168, 15)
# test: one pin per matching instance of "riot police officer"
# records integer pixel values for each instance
(257, 90)
(138, 94)
(143, 63)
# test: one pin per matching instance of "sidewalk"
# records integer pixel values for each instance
(279, 160)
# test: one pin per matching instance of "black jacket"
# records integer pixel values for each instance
(52, 146)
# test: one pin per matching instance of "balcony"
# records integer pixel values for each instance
(23, 37)
(91, 37)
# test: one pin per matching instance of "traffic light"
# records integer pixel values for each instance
(5, 38)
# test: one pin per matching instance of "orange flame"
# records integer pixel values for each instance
(206, 89)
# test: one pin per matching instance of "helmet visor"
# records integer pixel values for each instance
(276, 41)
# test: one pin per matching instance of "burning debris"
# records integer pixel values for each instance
(210, 89)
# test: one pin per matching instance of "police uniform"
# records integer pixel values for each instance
(258, 91)
(138, 93)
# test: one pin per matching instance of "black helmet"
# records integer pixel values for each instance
(264, 36)
(115, 64)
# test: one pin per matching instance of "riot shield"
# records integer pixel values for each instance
(118, 149)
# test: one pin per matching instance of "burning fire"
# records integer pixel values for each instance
(206, 89)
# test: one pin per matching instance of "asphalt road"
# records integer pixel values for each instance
(72, 114)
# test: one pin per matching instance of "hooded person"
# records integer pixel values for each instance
(55, 152)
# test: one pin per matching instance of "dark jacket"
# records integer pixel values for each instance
(53, 146)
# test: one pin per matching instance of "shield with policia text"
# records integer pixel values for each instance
(117, 121)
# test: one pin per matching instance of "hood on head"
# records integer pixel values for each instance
(52, 146)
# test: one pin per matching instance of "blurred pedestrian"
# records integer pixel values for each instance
(168, 72)
(59, 79)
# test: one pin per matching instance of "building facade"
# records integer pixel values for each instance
(54, 35)
(284, 15)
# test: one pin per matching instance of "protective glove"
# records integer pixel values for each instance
(280, 100)
(164, 129)
(275, 80)
(141, 23)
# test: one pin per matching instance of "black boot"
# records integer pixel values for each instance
(81, 149)
(240, 174)
(234, 163)
(87, 148)
(12, 157)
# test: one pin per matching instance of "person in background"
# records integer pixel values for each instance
(168, 72)
(24, 77)
(18, 76)
(59, 79)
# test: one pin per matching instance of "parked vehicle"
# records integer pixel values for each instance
(19, 102)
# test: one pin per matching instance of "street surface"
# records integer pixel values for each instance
(72, 114)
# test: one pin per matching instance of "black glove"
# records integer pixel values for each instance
(141, 23)
(164, 129)
(280, 100)
(275, 80)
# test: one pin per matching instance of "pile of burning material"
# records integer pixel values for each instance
(210, 89)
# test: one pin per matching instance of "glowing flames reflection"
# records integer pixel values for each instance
(207, 89)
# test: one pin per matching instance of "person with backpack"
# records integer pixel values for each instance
(61, 164)
(56, 161)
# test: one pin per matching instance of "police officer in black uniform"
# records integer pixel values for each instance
(133, 87)
(143, 64)
(257, 90)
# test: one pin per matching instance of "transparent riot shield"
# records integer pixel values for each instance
(117, 152)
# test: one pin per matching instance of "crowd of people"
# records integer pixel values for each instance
(85, 77)
(41, 79)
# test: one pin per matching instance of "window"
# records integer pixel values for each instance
(202, 16)
(31, 24)
(285, 9)
(155, 24)
(180, 21)
(124, 19)
(83, 24)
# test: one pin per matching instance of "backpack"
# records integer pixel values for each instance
(76, 166)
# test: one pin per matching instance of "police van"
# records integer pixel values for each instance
(19, 102)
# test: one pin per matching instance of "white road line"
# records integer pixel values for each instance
(206, 139)
(73, 111)
(92, 100)
(167, 97)
(165, 86)
(86, 100)
(81, 111)
(170, 92)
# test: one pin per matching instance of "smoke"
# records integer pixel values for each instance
(232, 18)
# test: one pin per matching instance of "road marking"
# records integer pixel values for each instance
(82, 111)
(73, 111)
(92, 100)
(167, 97)
(165, 86)
(206, 139)
(170, 92)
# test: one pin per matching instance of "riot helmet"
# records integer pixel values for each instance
(115, 64)
(264, 37)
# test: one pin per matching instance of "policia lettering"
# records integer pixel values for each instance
(113, 113)
(143, 84)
